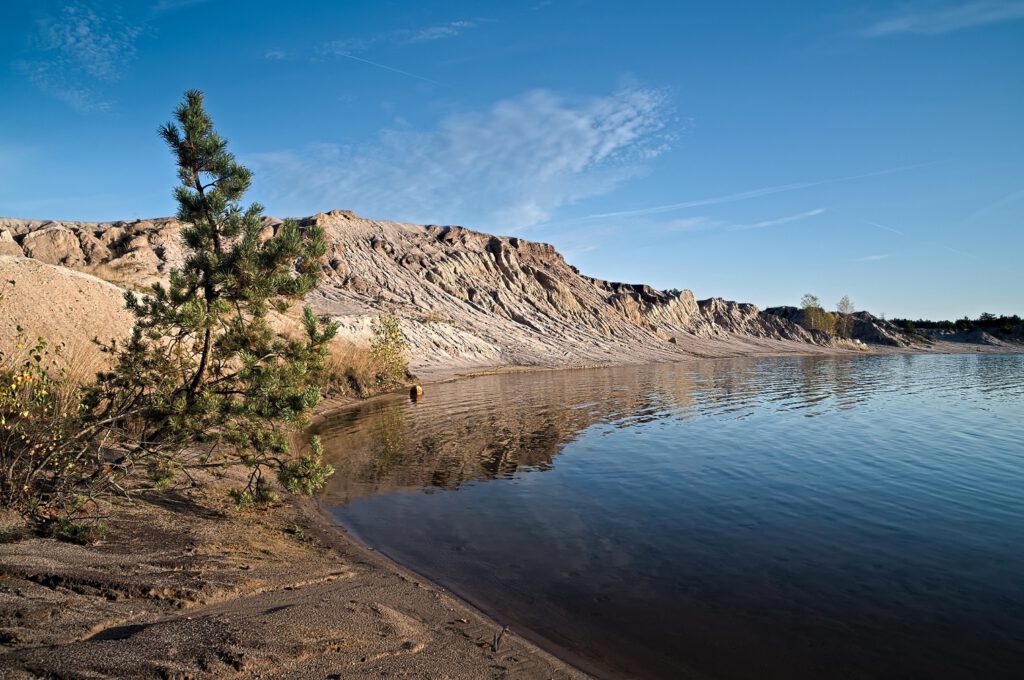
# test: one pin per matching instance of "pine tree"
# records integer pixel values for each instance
(204, 378)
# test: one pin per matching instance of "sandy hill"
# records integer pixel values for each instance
(66, 307)
(467, 299)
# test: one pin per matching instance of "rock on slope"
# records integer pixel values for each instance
(467, 299)
(1011, 338)
(866, 327)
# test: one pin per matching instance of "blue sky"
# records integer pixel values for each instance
(754, 151)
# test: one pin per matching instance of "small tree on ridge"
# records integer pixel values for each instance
(844, 317)
(815, 317)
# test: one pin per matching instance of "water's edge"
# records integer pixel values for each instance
(542, 643)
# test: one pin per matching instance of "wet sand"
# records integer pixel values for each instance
(189, 587)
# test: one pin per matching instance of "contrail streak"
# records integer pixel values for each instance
(1005, 200)
(778, 220)
(386, 67)
(753, 193)
(882, 226)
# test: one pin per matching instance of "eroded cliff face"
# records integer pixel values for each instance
(134, 254)
(467, 299)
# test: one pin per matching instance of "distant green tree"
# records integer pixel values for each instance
(809, 301)
(204, 378)
(815, 316)
(844, 317)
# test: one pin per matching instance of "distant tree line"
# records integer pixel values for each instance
(987, 322)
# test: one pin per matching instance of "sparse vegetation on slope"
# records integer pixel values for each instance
(389, 351)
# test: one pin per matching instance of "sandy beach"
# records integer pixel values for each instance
(187, 586)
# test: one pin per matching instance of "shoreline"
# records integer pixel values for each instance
(539, 644)
(187, 586)
(440, 375)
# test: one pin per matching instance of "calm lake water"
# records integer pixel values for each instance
(774, 517)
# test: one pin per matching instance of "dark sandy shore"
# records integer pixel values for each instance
(189, 587)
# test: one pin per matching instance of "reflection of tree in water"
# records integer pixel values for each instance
(389, 439)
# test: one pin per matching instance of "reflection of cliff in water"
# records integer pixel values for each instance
(496, 426)
(474, 430)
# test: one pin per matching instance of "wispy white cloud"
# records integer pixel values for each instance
(873, 258)
(691, 224)
(956, 251)
(440, 31)
(745, 195)
(171, 5)
(509, 167)
(995, 206)
(402, 36)
(704, 223)
(913, 240)
(82, 47)
(354, 48)
(934, 19)
(77, 49)
(774, 222)
(275, 54)
(97, 45)
(52, 78)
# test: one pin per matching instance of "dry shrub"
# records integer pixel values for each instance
(78, 362)
(349, 370)
(390, 351)
(47, 467)
(358, 370)
(67, 366)
(43, 466)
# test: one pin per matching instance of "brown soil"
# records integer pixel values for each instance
(187, 586)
